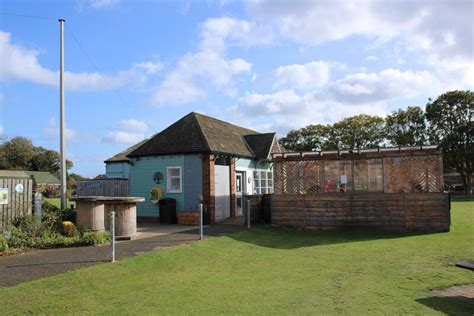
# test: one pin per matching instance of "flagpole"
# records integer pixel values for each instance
(62, 116)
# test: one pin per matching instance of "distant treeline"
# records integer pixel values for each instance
(446, 121)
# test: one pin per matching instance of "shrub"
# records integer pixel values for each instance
(51, 191)
(69, 229)
(52, 232)
(95, 238)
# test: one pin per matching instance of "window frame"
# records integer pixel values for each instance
(169, 177)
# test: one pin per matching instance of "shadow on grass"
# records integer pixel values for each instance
(449, 305)
(290, 238)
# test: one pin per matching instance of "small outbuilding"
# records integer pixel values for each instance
(197, 158)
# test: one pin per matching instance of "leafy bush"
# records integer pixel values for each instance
(52, 232)
(69, 229)
(51, 191)
(96, 238)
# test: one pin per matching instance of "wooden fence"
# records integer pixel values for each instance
(105, 187)
(19, 195)
(428, 212)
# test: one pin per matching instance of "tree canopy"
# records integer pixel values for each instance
(406, 127)
(446, 121)
(451, 125)
(19, 153)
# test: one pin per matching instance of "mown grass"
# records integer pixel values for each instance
(57, 202)
(269, 271)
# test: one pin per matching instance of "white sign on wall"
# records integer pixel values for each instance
(343, 179)
(3, 196)
(19, 188)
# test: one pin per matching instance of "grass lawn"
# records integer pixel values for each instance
(269, 271)
(57, 202)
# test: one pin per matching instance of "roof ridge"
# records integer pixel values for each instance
(225, 122)
(195, 116)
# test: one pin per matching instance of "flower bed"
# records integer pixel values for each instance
(55, 230)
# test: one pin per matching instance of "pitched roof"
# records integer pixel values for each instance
(14, 174)
(38, 176)
(43, 177)
(197, 133)
(261, 144)
(122, 156)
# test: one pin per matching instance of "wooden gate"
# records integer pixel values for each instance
(16, 196)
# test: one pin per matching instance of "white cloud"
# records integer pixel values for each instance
(307, 76)
(132, 125)
(209, 68)
(51, 131)
(101, 4)
(1, 130)
(20, 63)
(439, 29)
(388, 84)
(123, 138)
(364, 92)
(127, 132)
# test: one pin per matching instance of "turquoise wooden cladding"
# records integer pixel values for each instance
(141, 181)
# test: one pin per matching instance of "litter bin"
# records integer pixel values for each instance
(167, 211)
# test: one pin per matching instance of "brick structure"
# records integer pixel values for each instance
(188, 218)
(208, 185)
(232, 187)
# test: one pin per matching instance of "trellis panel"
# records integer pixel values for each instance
(297, 177)
(413, 174)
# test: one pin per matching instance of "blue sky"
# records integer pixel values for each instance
(266, 65)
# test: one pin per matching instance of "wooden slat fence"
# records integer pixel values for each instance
(105, 187)
(429, 212)
(19, 204)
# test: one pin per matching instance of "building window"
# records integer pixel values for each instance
(262, 182)
(174, 180)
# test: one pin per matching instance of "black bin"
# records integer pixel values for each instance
(168, 211)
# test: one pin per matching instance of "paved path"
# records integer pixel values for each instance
(38, 264)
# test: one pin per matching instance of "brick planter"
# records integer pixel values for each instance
(188, 218)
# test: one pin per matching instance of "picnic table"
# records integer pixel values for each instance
(93, 213)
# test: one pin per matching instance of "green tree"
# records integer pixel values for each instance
(309, 138)
(356, 132)
(47, 160)
(406, 127)
(450, 124)
(16, 153)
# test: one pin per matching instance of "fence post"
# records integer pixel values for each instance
(201, 237)
(248, 212)
(38, 204)
(112, 228)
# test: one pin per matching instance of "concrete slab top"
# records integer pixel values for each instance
(108, 199)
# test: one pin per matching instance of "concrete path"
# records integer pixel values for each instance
(38, 264)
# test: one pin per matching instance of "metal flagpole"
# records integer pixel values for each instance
(62, 130)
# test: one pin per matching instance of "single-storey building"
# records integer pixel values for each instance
(42, 179)
(198, 158)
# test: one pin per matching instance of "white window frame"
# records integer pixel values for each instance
(169, 177)
(261, 176)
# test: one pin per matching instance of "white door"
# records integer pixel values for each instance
(222, 192)
(239, 189)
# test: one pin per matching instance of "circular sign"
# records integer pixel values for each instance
(158, 177)
(19, 188)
